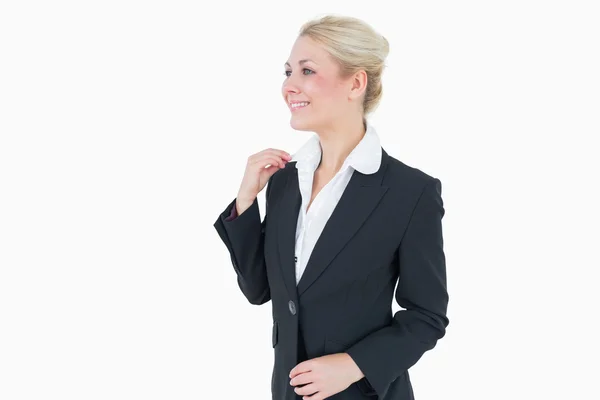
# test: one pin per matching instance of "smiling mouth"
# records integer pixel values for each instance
(298, 106)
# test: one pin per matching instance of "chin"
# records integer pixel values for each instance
(300, 125)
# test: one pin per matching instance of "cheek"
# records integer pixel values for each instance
(320, 88)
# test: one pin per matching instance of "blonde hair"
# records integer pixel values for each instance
(354, 45)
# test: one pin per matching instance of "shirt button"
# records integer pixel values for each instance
(295, 259)
(292, 307)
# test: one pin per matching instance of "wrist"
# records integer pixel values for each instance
(357, 373)
(244, 199)
(242, 204)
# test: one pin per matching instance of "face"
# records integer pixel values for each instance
(312, 76)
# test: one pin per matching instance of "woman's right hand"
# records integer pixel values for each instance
(256, 175)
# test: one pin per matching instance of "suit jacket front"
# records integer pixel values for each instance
(385, 230)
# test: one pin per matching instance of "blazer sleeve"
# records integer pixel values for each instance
(387, 353)
(244, 237)
(233, 214)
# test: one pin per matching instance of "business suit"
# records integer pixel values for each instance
(386, 226)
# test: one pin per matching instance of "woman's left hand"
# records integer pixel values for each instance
(324, 376)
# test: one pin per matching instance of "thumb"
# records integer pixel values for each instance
(271, 170)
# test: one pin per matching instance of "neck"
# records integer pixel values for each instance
(338, 141)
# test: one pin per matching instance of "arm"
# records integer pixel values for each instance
(244, 236)
(387, 353)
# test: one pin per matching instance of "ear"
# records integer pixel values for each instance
(359, 84)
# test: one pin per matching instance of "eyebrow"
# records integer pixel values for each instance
(300, 62)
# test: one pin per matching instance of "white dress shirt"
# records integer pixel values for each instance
(365, 158)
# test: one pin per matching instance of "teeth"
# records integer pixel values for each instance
(296, 105)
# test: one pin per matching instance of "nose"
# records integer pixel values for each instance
(290, 85)
(289, 88)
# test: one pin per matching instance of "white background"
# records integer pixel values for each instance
(124, 132)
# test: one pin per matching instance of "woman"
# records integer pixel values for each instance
(344, 223)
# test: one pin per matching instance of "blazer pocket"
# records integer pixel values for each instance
(274, 336)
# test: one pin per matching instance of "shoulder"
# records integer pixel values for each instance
(410, 186)
(404, 177)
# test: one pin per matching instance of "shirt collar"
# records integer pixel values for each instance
(365, 157)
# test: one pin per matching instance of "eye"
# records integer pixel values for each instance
(303, 69)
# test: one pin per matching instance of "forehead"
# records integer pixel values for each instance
(307, 50)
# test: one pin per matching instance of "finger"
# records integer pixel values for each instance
(302, 379)
(273, 161)
(282, 161)
(307, 390)
(272, 169)
(304, 366)
(319, 395)
(280, 153)
(266, 160)
(263, 156)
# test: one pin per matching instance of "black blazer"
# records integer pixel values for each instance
(386, 229)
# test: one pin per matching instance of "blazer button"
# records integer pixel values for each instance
(292, 307)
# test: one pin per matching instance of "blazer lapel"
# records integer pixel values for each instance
(287, 217)
(358, 200)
